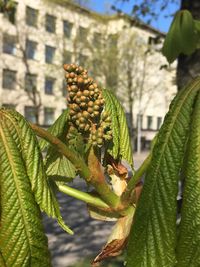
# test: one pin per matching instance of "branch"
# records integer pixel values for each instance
(138, 174)
(94, 177)
(72, 156)
(83, 196)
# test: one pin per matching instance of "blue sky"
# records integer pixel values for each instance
(103, 6)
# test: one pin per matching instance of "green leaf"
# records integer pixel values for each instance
(120, 132)
(33, 162)
(188, 247)
(153, 236)
(125, 149)
(113, 148)
(197, 32)
(181, 37)
(22, 238)
(59, 167)
(57, 128)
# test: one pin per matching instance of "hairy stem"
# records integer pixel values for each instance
(92, 174)
(83, 196)
(99, 181)
(76, 160)
(135, 179)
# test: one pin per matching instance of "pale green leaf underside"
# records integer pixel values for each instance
(121, 139)
(113, 148)
(125, 149)
(188, 247)
(58, 165)
(34, 166)
(153, 238)
(56, 129)
(22, 239)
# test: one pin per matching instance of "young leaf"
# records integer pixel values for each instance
(58, 165)
(34, 167)
(56, 129)
(181, 37)
(153, 236)
(125, 149)
(113, 148)
(22, 238)
(121, 138)
(188, 247)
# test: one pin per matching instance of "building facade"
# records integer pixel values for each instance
(37, 37)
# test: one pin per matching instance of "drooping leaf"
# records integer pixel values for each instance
(153, 236)
(22, 238)
(113, 148)
(181, 37)
(121, 139)
(57, 128)
(33, 162)
(197, 32)
(58, 166)
(188, 247)
(125, 149)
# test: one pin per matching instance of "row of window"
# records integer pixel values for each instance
(31, 114)
(30, 82)
(31, 19)
(149, 125)
(9, 47)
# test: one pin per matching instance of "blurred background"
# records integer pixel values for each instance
(121, 50)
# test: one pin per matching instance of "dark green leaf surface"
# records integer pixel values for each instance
(113, 148)
(57, 128)
(152, 240)
(22, 238)
(188, 248)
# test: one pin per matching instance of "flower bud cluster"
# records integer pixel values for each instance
(86, 105)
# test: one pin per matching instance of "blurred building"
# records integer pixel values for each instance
(38, 36)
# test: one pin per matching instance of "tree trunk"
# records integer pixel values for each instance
(189, 66)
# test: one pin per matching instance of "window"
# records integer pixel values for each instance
(97, 40)
(67, 57)
(50, 23)
(10, 106)
(31, 114)
(30, 82)
(48, 116)
(31, 47)
(139, 120)
(64, 89)
(31, 16)
(9, 13)
(9, 44)
(9, 79)
(112, 40)
(49, 84)
(49, 54)
(159, 122)
(67, 28)
(155, 42)
(83, 32)
(82, 59)
(149, 122)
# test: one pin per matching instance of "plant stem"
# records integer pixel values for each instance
(76, 160)
(99, 181)
(92, 175)
(83, 196)
(136, 177)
